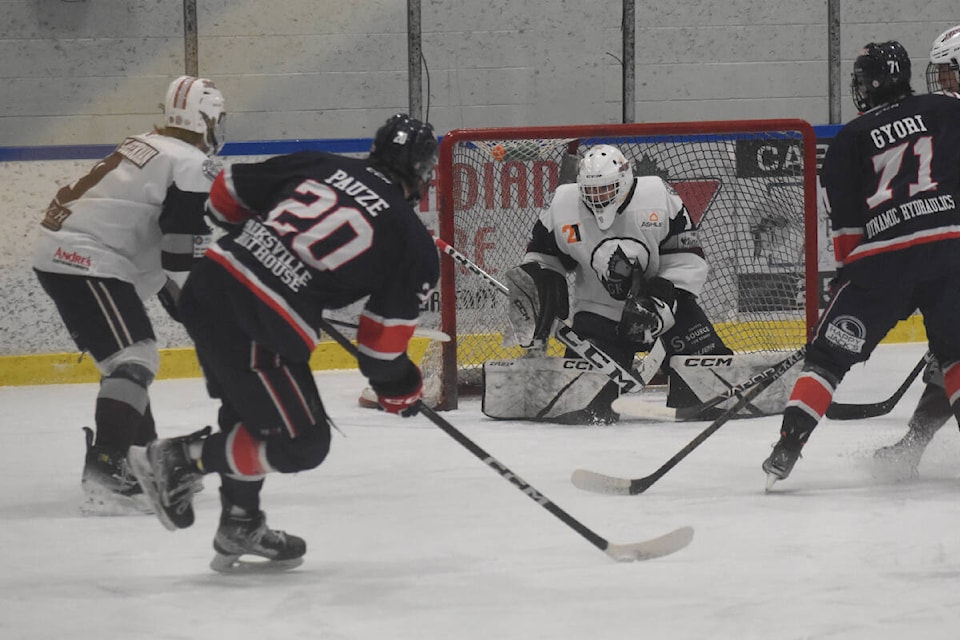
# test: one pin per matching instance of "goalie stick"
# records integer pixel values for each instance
(624, 379)
(644, 550)
(841, 411)
(612, 485)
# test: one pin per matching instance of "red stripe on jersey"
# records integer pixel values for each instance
(951, 381)
(810, 391)
(385, 338)
(244, 452)
(223, 261)
(905, 243)
(844, 243)
(223, 203)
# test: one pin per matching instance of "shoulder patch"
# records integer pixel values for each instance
(137, 151)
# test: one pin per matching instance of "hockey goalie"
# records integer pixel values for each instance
(637, 267)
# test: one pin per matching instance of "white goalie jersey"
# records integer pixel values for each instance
(653, 230)
(137, 216)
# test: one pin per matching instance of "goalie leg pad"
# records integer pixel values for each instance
(543, 389)
(695, 379)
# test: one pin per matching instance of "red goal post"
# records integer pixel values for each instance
(750, 183)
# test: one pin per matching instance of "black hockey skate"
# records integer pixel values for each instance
(780, 463)
(248, 534)
(108, 484)
(169, 477)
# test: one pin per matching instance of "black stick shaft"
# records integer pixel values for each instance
(842, 411)
(593, 538)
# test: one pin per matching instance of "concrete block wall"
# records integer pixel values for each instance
(87, 71)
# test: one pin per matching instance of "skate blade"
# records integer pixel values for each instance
(137, 458)
(238, 564)
(772, 479)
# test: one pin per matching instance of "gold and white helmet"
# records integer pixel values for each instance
(195, 104)
(604, 179)
(943, 70)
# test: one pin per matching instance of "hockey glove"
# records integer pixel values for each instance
(401, 396)
(646, 316)
(537, 296)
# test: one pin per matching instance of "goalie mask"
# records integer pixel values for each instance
(196, 105)
(943, 70)
(881, 75)
(604, 179)
(405, 151)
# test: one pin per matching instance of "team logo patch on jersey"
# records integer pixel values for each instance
(137, 151)
(847, 333)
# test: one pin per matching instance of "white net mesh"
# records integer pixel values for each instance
(745, 188)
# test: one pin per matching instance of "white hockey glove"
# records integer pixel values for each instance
(648, 312)
(537, 296)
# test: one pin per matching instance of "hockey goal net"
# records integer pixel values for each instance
(750, 184)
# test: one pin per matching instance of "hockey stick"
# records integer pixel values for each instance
(644, 550)
(601, 483)
(638, 407)
(624, 379)
(841, 411)
(420, 332)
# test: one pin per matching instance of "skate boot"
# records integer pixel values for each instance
(169, 477)
(109, 487)
(781, 461)
(246, 533)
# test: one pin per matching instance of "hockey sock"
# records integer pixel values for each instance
(797, 427)
(241, 494)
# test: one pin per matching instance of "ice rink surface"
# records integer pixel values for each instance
(411, 537)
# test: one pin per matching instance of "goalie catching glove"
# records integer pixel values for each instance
(648, 311)
(537, 296)
(401, 396)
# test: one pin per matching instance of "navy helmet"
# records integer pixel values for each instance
(405, 151)
(881, 75)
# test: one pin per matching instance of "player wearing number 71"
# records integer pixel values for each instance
(891, 180)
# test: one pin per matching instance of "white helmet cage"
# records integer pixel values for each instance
(943, 70)
(195, 104)
(604, 179)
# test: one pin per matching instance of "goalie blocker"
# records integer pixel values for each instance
(555, 389)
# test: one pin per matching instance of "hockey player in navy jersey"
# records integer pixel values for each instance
(128, 230)
(305, 232)
(638, 268)
(892, 182)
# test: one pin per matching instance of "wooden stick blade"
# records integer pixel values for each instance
(599, 483)
(653, 548)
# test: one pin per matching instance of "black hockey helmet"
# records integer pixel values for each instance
(405, 150)
(881, 74)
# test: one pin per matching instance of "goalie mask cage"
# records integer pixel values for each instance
(750, 184)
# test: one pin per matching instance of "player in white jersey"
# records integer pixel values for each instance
(902, 459)
(637, 263)
(128, 230)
